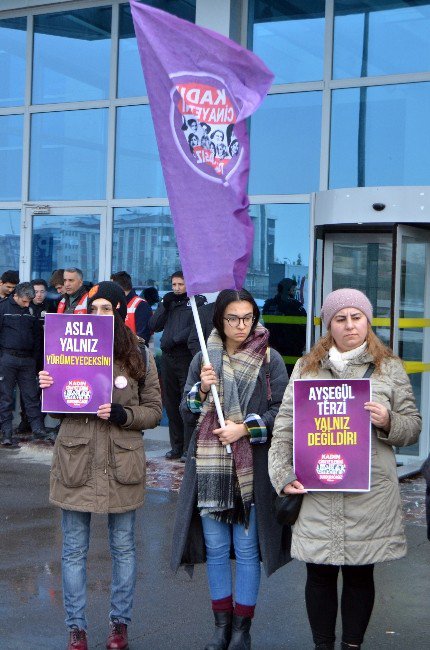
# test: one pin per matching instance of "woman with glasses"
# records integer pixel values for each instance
(98, 467)
(225, 500)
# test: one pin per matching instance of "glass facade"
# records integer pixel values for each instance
(348, 108)
(285, 144)
(64, 44)
(11, 132)
(138, 170)
(61, 241)
(290, 40)
(13, 39)
(380, 135)
(144, 244)
(380, 38)
(68, 155)
(10, 221)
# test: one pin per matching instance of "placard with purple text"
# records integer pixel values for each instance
(332, 434)
(79, 356)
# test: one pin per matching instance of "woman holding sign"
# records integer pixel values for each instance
(99, 467)
(348, 530)
(225, 499)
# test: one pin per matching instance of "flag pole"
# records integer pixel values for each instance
(206, 361)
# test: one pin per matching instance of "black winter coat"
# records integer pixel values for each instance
(19, 329)
(175, 317)
(188, 546)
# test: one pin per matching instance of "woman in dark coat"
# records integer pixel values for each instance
(225, 500)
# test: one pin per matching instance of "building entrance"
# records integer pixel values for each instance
(390, 263)
(58, 237)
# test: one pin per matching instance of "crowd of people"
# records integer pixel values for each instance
(234, 468)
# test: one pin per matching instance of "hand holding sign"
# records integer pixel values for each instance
(379, 415)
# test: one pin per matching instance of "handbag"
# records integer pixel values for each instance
(287, 506)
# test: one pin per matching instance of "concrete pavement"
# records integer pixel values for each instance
(173, 611)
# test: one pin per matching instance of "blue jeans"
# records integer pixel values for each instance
(218, 537)
(76, 538)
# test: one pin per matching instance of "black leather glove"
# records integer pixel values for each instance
(168, 299)
(118, 414)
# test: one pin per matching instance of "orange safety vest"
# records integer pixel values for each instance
(81, 307)
(130, 319)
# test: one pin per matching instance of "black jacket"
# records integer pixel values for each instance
(206, 314)
(287, 338)
(19, 329)
(175, 317)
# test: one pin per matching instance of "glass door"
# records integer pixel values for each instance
(411, 322)
(64, 237)
(362, 261)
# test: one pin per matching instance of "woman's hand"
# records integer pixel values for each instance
(295, 487)
(45, 379)
(231, 432)
(379, 415)
(207, 378)
(103, 411)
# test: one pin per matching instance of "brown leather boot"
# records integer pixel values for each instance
(117, 639)
(77, 640)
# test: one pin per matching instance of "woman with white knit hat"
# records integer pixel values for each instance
(348, 531)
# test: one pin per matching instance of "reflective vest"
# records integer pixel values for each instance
(81, 307)
(130, 320)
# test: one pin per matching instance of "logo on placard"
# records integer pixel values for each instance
(331, 468)
(77, 393)
(203, 118)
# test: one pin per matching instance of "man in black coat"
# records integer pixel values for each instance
(289, 339)
(19, 349)
(174, 317)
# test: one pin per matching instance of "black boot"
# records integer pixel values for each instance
(348, 646)
(240, 636)
(324, 646)
(222, 634)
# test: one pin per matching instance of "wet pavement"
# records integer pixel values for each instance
(173, 611)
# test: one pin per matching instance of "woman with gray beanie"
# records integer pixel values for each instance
(348, 531)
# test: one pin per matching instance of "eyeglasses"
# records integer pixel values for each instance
(234, 321)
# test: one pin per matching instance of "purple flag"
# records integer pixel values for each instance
(201, 87)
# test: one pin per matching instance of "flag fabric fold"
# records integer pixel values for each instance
(201, 88)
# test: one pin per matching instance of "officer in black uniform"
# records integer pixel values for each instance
(174, 316)
(289, 339)
(19, 349)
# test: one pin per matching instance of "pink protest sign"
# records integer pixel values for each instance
(332, 434)
(79, 357)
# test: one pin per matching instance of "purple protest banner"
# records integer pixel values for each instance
(332, 434)
(201, 88)
(79, 357)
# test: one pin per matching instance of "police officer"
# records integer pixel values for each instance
(19, 349)
(174, 316)
(138, 311)
(8, 282)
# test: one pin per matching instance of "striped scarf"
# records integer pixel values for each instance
(225, 481)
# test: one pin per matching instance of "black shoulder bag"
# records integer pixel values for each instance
(287, 506)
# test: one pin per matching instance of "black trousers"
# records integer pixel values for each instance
(174, 371)
(358, 595)
(21, 371)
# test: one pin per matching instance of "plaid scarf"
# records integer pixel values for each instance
(225, 481)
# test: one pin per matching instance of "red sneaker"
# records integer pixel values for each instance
(117, 639)
(78, 640)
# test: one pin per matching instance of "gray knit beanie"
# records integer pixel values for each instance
(341, 298)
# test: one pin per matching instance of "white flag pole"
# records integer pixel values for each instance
(206, 361)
